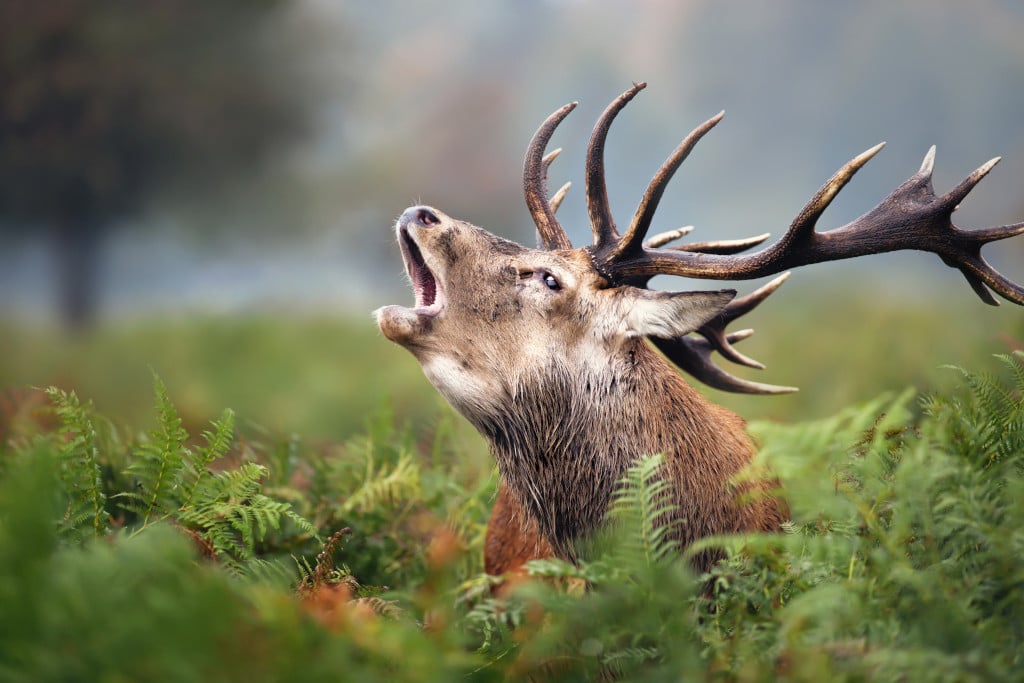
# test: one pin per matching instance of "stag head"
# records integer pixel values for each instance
(490, 312)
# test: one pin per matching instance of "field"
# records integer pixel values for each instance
(286, 498)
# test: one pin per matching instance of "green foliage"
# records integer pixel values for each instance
(160, 464)
(386, 487)
(905, 563)
(395, 497)
(81, 472)
(166, 480)
(903, 560)
(642, 507)
(143, 608)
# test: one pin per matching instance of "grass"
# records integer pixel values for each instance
(320, 377)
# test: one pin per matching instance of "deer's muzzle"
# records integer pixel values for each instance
(399, 323)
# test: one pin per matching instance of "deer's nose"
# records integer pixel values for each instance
(420, 215)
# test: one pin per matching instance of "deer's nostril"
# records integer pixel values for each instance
(421, 216)
(427, 217)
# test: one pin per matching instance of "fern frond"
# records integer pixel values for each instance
(234, 515)
(643, 508)
(273, 572)
(386, 487)
(217, 443)
(158, 464)
(80, 468)
(987, 389)
(987, 424)
(1015, 361)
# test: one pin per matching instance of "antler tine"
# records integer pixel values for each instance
(803, 225)
(535, 168)
(663, 238)
(711, 247)
(641, 222)
(928, 163)
(714, 331)
(979, 273)
(548, 158)
(723, 246)
(558, 196)
(693, 356)
(598, 207)
(957, 194)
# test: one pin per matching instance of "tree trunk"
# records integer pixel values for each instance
(77, 242)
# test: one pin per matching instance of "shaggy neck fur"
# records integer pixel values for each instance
(562, 441)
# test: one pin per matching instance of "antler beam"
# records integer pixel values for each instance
(911, 217)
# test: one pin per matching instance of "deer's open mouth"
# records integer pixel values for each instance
(426, 286)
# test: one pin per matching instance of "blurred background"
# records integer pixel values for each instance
(207, 189)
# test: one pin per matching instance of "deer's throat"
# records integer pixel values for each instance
(563, 440)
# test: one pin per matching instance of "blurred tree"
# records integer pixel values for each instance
(104, 104)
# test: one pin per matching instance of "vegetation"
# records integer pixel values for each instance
(240, 555)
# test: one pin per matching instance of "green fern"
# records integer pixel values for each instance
(643, 509)
(919, 569)
(159, 464)
(232, 514)
(989, 422)
(217, 443)
(385, 486)
(226, 513)
(80, 470)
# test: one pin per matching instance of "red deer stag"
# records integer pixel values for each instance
(545, 350)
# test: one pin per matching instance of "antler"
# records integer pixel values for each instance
(694, 355)
(535, 183)
(911, 217)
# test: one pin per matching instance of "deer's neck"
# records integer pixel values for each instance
(564, 436)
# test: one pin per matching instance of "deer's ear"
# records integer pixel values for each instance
(670, 314)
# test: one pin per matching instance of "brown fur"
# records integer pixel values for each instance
(565, 387)
(603, 424)
(513, 538)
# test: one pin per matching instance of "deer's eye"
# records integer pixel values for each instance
(551, 282)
